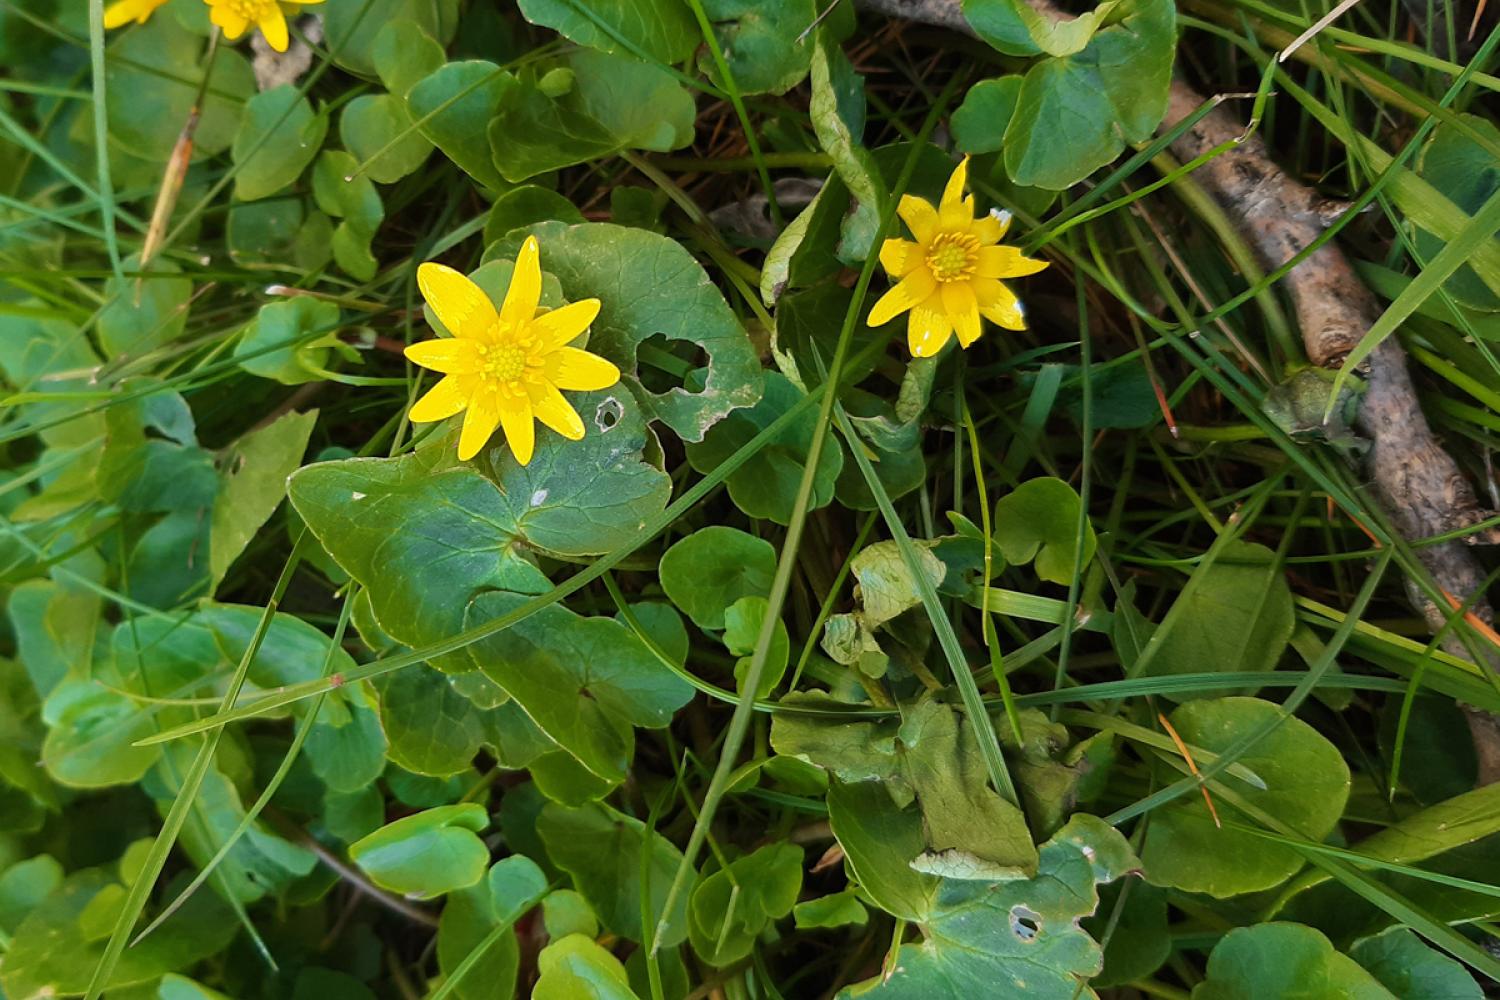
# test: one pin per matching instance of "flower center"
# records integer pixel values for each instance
(952, 256)
(251, 10)
(505, 363)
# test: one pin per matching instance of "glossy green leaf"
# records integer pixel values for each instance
(419, 535)
(354, 29)
(614, 102)
(742, 624)
(766, 45)
(428, 853)
(254, 483)
(705, 573)
(24, 886)
(731, 907)
(283, 343)
(405, 52)
(601, 849)
(585, 682)
(840, 909)
(351, 197)
(435, 729)
(1307, 783)
(660, 30)
(144, 313)
(979, 123)
(577, 967)
(1107, 84)
(453, 107)
(279, 135)
(1283, 960)
(1039, 520)
(1021, 935)
(1465, 171)
(49, 955)
(1234, 614)
(1411, 970)
(471, 916)
(766, 485)
(152, 80)
(378, 130)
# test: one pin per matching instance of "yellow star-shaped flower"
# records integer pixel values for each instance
(235, 16)
(505, 367)
(950, 277)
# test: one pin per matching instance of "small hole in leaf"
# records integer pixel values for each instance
(608, 414)
(1024, 922)
(667, 363)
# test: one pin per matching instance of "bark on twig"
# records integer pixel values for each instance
(1418, 483)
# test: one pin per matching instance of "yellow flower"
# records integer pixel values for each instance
(950, 276)
(234, 16)
(122, 12)
(505, 367)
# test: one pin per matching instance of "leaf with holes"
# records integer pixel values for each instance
(648, 285)
(1021, 936)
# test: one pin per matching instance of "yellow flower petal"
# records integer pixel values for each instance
(520, 431)
(525, 287)
(233, 24)
(557, 327)
(991, 228)
(571, 368)
(919, 215)
(899, 256)
(910, 290)
(999, 305)
(552, 409)
(442, 401)
(1005, 262)
(448, 355)
(928, 329)
(479, 423)
(957, 217)
(273, 27)
(124, 11)
(461, 305)
(963, 310)
(953, 191)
